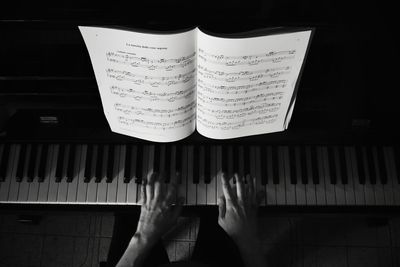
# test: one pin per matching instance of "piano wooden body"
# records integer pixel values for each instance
(341, 148)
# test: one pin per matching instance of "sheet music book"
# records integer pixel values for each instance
(163, 86)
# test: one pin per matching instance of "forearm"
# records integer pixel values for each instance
(136, 252)
(252, 254)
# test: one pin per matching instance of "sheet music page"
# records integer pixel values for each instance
(147, 82)
(244, 85)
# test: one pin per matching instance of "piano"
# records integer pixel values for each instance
(341, 148)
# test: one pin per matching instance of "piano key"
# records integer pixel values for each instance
(303, 162)
(230, 162)
(53, 184)
(281, 186)
(207, 161)
(382, 167)
(24, 184)
(371, 165)
(182, 186)
(241, 170)
(192, 187)
(131, 194)
(122, 185)
(99, 166)
(396, 162)
(259, 161)
(219, 171)
(43, 162)
(110, 164)
(387, 182)
(150, 164)
(319, 179)
(343, 165)
(349, 186)
(173, 174)
(368, 187)
(81, 195)
(339, 186)
(63, 184)
(4, 161)
(60, 162)
(102, 184)
(91, 194)
(167, 165)
(128, 174)
(392, 172)
(263, 158)
(32, 162)
(235, 156)
(270, 188)
(14, 183)
(290, 188)
(72, 174)
(359, 191)
(71, 163)
(34, 185)
(275, 165)
(380, 196)
(201, 186)
(196, 161)
(311, 196)
(300, 187)
(224, 159)
(140, 163)
(246, 161)
(45, 168)
(88, 163)
(156, 167)
(329, 187)
(21, 162)
(212, 185)
(292, 165)
(178, 161)
(10, 159)
(331, 165)
(360, 164)
(112, 179)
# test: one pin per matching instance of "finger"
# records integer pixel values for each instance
(253, 191)
(239, 187)
(150, 186)
(226, 188)
(158, 188)
(171, 195)
(143, 192)
(221, 207)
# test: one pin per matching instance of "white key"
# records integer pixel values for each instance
(270, 187)
(349, 187)
(131, 196)
(14, 185)
(113, 186)
(339, 187)
(310, 186)
(390, 186)
(280, 188)
(10, 174)
(63, 185)
(329, 187)
(82, 186)
(212, 186)
(122, 186)
(182, 187)
(24, 185)
(34, 185)
(289, 187)
(320, 187)
(359, 191)
(390, 158)
(192, 187)
(300, 187)
(102, 185)
(73, 185)
(45, 185)
(219, 171)
(201, 186)
(91, 195)
(379, 189)
(368, 187)
(53, 186)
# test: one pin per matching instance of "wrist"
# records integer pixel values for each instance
(141, 241)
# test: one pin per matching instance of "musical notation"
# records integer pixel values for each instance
(153, 96)
(239, 101)
(235, 125)
(241, 89)
(247, 75)
(169, 64)
(273, 57)
(154, 81)
(155, 112)
(156, 125)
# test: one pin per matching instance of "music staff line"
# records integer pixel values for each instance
(221, 101)
(244, 88)
(138, 95)
(162, 113)
(238, 113)
(126, 56)
(156, 125)
(250, 78)
(241, 73)
(236, 125)
(235, 92)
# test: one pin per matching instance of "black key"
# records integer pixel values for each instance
(292, 164)
(275, 165)
(303, 165)
(110, 164)
(168, 163)
(332, 166)
(314, 163)
(88, 164)
(343, 166)
(382, 166)
(196, 162)
(128, 163)
(224, 160)
(99, 164)
(71, 161)
(396, 155)
(207, 164)
(360, 165)
(21, 163)
(371, 165)
(157, 152)
(42, 163)
(4, 162)
(32, 161)
(246, 157)
(178, 161)
(236, 152)
(139, 164)
(263, 163)
(60, 163)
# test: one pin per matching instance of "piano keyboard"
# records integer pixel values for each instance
(112, 173)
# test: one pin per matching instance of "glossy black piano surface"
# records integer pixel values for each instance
(343, 133)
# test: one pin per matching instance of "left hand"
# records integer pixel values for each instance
(158, 214)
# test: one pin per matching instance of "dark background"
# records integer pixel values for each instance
(350, 80)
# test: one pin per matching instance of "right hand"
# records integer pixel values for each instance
(238, 209)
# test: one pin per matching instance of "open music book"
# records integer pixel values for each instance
(162, 86)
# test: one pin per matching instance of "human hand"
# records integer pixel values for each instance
(157, 214)
(238, 209)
